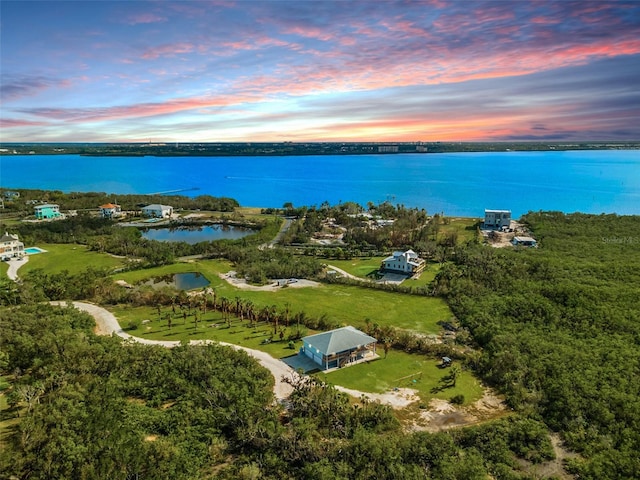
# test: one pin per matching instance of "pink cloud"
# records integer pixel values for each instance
(97, 114)
(144, 18)
(168, 50)
(10, 123)
(309, 32)
(545, 20)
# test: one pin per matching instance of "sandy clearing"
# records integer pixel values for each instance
(241, 283)
(400, 398)
(442, 415)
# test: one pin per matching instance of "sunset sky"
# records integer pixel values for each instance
(228, 71)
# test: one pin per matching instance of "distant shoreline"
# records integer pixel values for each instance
(261, 149)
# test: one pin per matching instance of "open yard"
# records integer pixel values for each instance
(404, 370)
(345, 305)
(210, 327)
(464, 227)
(70, 257)
(399, 369)
(366, 268)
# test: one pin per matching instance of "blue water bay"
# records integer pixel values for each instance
(454, 183)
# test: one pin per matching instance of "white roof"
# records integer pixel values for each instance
(496, 211)
(157, 206)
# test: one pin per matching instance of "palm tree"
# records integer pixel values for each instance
(453, 375)
(239, 308)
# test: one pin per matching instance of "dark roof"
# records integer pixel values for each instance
(338, 340)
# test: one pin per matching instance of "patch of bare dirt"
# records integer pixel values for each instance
(552, 468)
(443, 415)
(397, 399)
(233, 279)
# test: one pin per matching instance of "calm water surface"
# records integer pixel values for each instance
(197, 234)
(453, 183)
(182, 281)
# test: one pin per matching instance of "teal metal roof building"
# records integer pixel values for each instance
(339, 347)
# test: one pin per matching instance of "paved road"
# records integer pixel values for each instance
(14, 265)
(283, 229)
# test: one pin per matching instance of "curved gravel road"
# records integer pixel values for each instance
(107, 324)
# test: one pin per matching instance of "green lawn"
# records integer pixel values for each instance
(377, 377)
(346, 305)
(71, 257)
(364, 267)
(464, 226)
(360, 267)
(210, 327)
(385, 374)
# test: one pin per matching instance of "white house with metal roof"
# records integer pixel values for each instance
(404, 262)
(339, 347)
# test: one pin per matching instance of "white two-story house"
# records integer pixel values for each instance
(403, 262)
(11, 246)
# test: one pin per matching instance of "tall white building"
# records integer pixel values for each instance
(497, 218)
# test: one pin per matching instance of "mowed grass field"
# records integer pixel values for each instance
(404, 370)
(210, 327)
(465, 227)
(378, 376)
(365, 268)
(70, 257)
(344, 305)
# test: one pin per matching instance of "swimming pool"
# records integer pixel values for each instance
(33, 250)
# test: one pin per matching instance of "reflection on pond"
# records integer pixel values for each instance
(181, 281)
(193, 235)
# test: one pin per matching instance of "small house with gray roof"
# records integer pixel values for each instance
(339, 347)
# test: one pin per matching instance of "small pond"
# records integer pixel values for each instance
(181, 281)
(193, 235)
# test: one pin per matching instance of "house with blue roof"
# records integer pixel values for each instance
(339, 347)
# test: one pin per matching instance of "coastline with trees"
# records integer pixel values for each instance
(553, 329)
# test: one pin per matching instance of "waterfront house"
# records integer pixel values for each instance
(497, 219)
(403, 262)
(47, 210)
(524, 242)
(339, 347)
(110, 210)
(11, 246)
(157, 211)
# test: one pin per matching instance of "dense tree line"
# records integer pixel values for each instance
(129, 202)
(410, 228)
(559, 329)
(92, 408)
(103, 235)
